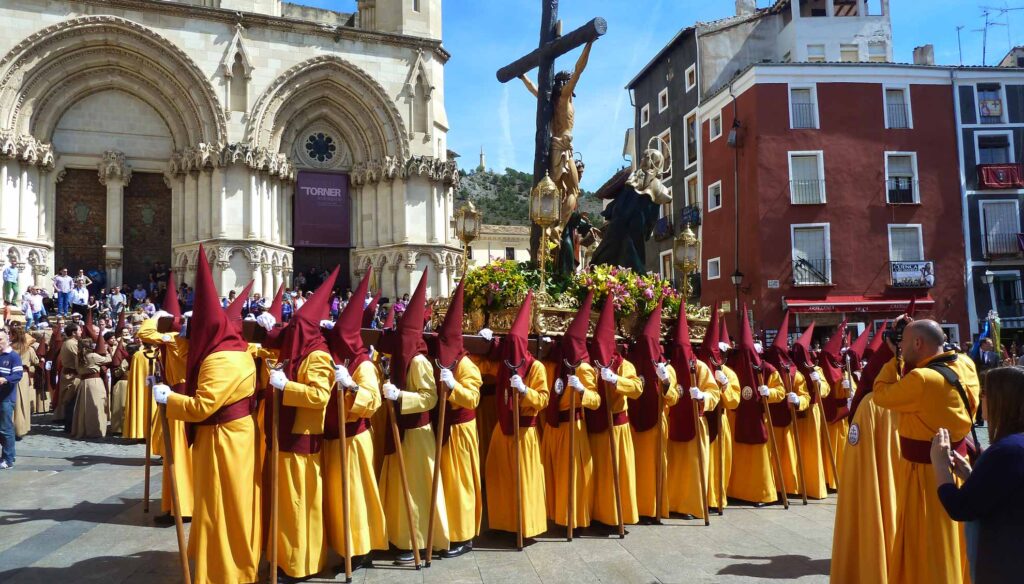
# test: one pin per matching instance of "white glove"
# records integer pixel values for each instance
(697, 394)
(166, 338)
(371, 352)
(793, 398)
(518, 385)
(763, 390)
(759, 348)
(49, 365)
(391, 392)
(278, 379)
(266, 320)
(609, 376)
(721, 377)
(343, 377)
(160, 393)
(847, 384)
(662, 370)
(162, 313)
(448, 378)
(559, 386)
(575, 383)
(487, 334)
(187, 314)
(815, 376)
(327, 324)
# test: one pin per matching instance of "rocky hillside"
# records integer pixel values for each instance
(504, 197)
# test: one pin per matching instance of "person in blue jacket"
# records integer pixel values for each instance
(10, 376)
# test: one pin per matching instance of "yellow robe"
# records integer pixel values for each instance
(419, 395)
(786, 439)
(224, 539)
(379, 425)
(928, 545)
(500, 465)
(645, 444)
(753, 471)
(460, 458)
(838, 431)
(555, 448)
(366, 512)
(682, 484)
(865, 525)
(135, 423)
(720, 465)
(812, 445)
(301, 545)
(629, 386)
(175, 350)
(486, 411)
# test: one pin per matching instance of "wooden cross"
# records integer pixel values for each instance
(552, 46)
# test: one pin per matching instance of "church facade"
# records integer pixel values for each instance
(278, 136)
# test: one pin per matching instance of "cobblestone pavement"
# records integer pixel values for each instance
(71, 511)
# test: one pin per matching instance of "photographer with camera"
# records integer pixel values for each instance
(937, 389)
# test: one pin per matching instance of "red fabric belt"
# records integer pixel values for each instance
(302, 443)
(356, 428)
(229, 413)
(459, 416)
(90, 376)
(919, 451)
(563, 415)
(620, 418)
(527, 421)
(410, 421)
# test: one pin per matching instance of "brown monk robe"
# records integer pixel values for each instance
(25, 346)
(91, 408)
(67, 362)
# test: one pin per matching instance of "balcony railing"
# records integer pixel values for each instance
(898, 118)
(807, 191)
(916, 274)
(817, 272)
(1001, 245)
(1000, 176)
(901, 191)
(804, 116)
(663, 229)
(690, 215)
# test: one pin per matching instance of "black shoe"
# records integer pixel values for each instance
(358, 563)
(687, 516)
(457, 550)
(165, 520)
(760, 505)
(283, 578)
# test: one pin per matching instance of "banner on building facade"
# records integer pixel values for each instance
(912, 274)
(323, 208)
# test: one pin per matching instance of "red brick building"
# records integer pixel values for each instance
(848, 194)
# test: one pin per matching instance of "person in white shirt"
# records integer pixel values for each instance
(63, 284)
(35, 312)
(80, 298)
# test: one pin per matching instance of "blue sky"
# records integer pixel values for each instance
(484, 35)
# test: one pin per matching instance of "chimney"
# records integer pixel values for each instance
(924, 55)
(745, 7)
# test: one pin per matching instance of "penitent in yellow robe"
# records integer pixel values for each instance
(928, 546)
(865, 525)
(366, 512)
(786, 439)
(753, 470)
(500, 467)
(645, 444)
(224, 540)
(379, 425)
(460, 458)
(683, 481)
(301, 545)
(812, 445)
(629, 386)
(419, 395)
(720, 464)
(138, 393)
(175, 352)
(486, 411)
(555, 449)
(838, 431)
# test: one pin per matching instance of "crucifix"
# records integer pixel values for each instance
(552, 45)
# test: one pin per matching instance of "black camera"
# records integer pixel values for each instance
(895, 334)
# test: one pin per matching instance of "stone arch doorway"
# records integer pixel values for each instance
(147, 226)
(81, 217)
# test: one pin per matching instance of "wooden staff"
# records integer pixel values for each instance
(825, 436)
(345, 515)
(702, 479)
(774, 445)
(518, 457)
(442, 405)
(148, 429)
(722, 491)
(396, 435)
(179, 526)
(659, 476)
(615, 459)
(787, 382)
(275, 450)
(570, 507)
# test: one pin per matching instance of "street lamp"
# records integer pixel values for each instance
(737, 278)
(988, 277)
(737, 281)
(686, 252)
(545, 211)
(467, 228)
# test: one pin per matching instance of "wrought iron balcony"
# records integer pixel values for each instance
(663, 229)
(901, 191)
(807, 191)
(690, 215)
(812, 272)
(898, 117)
(804, 116)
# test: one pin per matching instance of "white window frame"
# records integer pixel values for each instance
(814, 100)
(977, 148)
(820, 154)
(920, 237)
(668, 159)
(672, 265)
(916, 180)
(981, 219)
(711, 126)
(671, 205)
(906, 100)
(721, 196)
(824, 52)
(717, 261)
(645, 115)
(977, 103)
(828, 249)
(952, 331)
(695, 179)
(885, 51)
(663, 92)
(686, 138)
(686, 77)
(856, 47)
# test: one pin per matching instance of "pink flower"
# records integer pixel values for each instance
(649, 293)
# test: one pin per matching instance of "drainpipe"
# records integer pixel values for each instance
(972, 308)
(736, 197)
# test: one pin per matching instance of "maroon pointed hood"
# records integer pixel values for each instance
(234, 309)
(801, 351)
(876, 342)
(90, 329)
(709, 352)
(450, 348)
(171, 305)
(371, 310)
(778, 353)
(723, 333)
(743, 359)
(574, 342)
(857, 349)
(602, 346)
(345, 339)
(301, 336)
(831, 360)
(681, 350)
(276, 308)
(409, 341)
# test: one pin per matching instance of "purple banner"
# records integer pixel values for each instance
(322, 210)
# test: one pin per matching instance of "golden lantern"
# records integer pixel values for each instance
(686, 254)
(467, 229)
(545, 211)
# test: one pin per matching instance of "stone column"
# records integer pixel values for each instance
(24, 209)
(114, 173)
(43, 201)
(277, 281)
(51, 219)
(287, 274)
(253, 207)
(192, 206)
(264, 230)
(220, 270)
(4, 177)
(257, 276)
(275, 211)
(217, 203)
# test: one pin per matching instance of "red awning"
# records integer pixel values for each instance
(853, 304)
